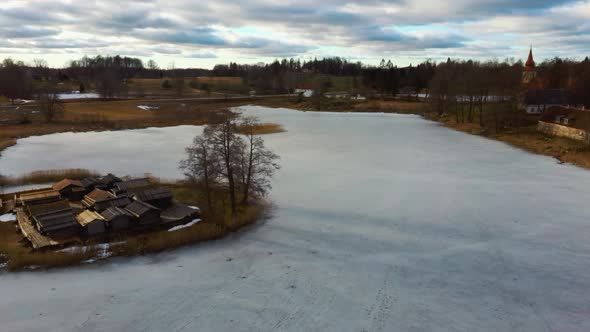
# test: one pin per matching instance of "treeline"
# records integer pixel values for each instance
(108, 76)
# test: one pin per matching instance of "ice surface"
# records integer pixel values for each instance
(147, 108)
(382, 223)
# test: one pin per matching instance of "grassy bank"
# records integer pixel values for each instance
(263, 129)
(46, 176)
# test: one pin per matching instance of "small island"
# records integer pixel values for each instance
(83, 217)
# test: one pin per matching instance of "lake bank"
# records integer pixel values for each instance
(526, 138)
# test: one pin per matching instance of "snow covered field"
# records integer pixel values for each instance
(382, 223)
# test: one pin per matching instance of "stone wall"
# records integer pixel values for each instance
(555, 129)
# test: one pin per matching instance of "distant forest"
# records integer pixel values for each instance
(452, 77)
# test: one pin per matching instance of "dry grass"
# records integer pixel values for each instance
(220, 80)
(47, 176)
(263, 129)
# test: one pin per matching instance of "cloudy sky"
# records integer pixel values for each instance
(201, 33)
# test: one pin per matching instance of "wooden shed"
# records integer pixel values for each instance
(71, 189)
(95, 196)
(117, 219)
(160, 197)
(92, 223)
(54, 219)
(180, 214)
(124, 186)
(39, 197)
(145, 213)
(120, 201)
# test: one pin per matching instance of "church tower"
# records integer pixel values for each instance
(530, 73)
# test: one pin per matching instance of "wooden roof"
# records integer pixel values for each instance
(63, 184)
(179, 212)
(139, 208)
(95, 196)
(39, 194)
(130, 184)
(114, 212)
(120, 201)
(37, 239)
(154, 194)
(88, 217)
(53, 216)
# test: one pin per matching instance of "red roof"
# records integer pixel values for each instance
(530, 63)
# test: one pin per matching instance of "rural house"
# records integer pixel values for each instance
(38, 197)
(55, 218)
(96, 196)
(92, 223)
(71, 189)
(160, 197)
(145, 213)
(117, 219)
(538, 101)
(566, 122)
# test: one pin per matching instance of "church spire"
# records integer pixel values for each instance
(530, 63)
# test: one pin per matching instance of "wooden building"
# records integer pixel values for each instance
(39, 197)
(117, 219)
(119, 201)
(160, 197)
(96, 196)
(72, 190)
(54, 219)
(125, 186)
(180, 214)
(91, 223)
(145, 213)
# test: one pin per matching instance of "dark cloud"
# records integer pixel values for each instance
(28, 32)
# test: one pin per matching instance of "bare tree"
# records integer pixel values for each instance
(258, 163)
(226, 146)
(222, 157)
(201, 165)
(50, 106)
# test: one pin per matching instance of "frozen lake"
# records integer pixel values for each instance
(383, 223)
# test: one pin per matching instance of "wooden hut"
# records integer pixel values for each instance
(95, 196)
(179, 214)
(41, 196)
(73, 190)
(92, 223)
(117, 219)
(145, 213)
(160, 197)
(120, 201)
(124, 186)
(54, 219)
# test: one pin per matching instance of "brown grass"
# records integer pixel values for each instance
(47, 176)
(263, 129)
(224, 80)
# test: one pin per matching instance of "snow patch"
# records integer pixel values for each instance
(77, 95)
(192, 223)
(8, 217)
(148, 108)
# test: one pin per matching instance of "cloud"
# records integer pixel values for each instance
(263, 29)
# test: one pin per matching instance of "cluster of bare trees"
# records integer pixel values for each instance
(231, 155)
(465, 88)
